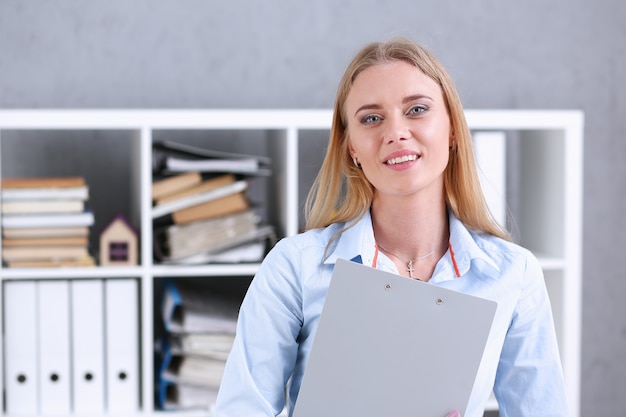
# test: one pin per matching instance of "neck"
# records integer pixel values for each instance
(411, 230)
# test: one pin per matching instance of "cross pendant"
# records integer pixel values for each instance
(410, 269)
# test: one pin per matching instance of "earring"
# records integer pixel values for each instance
(356, 163)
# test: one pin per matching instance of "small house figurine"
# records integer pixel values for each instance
(118, 243)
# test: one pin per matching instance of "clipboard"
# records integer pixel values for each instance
(387, 345)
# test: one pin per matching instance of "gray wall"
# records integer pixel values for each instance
(534, 54)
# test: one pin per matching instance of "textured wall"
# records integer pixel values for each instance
(287, 54)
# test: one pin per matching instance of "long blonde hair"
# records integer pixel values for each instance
(341, 193)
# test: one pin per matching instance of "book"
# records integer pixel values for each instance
(170, 156)
(215, 192)
(45, 241)
(13, 221)
(40, 232)
(248, 252)
(174, 184)
(43, 206)
(205, 185)
(23, 253)
(43, 182)
(21, 194)
(44, 188)
(214, 208)
(86, 261)
(212, 234)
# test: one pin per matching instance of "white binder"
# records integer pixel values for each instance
(122, 345)
(387, 345)
(54, 347)
(490, 150)
(87, 346)
(20, 347)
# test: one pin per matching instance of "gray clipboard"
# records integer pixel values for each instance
(387, 346)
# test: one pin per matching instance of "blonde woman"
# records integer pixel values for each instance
(398, 190)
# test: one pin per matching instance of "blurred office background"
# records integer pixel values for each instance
(561, 54)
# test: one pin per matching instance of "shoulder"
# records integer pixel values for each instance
(293, 261)
(479, 248)
(311, 243)
(488, 242)
(504, 253)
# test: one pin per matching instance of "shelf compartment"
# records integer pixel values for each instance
(103, 157)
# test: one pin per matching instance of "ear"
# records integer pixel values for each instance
(452, 138)
(351, 148)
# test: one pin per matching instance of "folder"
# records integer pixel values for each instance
(87, 318)
(122, 345)
(387, 345)
(191, 308)
(177, 397)
(54, 347)
(20, 347)
(191, 369)
(490, 151)
(177, 390)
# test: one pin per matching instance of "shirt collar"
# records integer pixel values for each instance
(358, 240)
(465, 246)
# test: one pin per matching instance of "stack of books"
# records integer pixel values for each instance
(200, 327)
(204, 215)
(45, 222)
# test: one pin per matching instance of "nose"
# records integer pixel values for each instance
(396, 129)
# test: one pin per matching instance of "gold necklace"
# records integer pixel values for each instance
(409, 265)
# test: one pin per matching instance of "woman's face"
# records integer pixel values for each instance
(399, 129)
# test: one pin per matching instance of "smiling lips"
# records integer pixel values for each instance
(402, 159)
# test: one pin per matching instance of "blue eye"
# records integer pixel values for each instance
(369, 119)
(417, 109)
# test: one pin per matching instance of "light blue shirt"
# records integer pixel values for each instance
(281, 310)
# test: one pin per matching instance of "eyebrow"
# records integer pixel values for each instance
(405, 100)
(416, 97)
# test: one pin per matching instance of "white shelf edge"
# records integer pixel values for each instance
(523, 119)
(549, 263)
(77, 272)
(173, 271)
(164, 119)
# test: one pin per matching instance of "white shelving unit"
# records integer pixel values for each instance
(546, 173)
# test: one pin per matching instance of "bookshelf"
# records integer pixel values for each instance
(112, 149)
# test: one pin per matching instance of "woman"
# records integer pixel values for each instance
(398, 190)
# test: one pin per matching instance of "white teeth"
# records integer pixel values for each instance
(401, 159)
